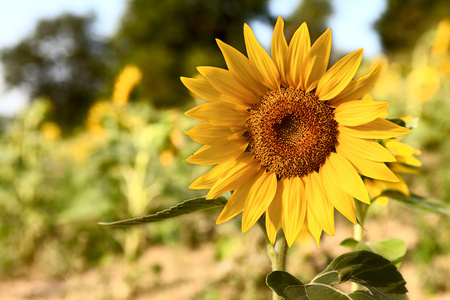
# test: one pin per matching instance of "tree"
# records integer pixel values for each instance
(168, 39)
(315, 13)
(405, 21)
(62, 61)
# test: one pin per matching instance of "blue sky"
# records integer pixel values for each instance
(350, 24)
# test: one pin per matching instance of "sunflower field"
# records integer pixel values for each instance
(70, 198)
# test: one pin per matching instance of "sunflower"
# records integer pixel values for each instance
(287, 136)
(405, 163)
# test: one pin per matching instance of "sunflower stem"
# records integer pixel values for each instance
(278, 254)
(361, 213)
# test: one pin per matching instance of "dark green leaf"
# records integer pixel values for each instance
(392, 249)
(419, 203)
(286, 285)
(186, 207)
(368, 269)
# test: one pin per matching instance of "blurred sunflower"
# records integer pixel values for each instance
(288, 136)
(127, 79)
(406, 163)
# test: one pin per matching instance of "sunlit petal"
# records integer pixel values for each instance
(220, 113)
(260, 196)
(242, 69)
(274, 213)
(279, 50)
(297, 51)
(376, 129)
(316, 61)
(259, 57)
(357, 112)
(336, 79)
(294, 208)
(231, 90)
(201, 88)
(357, 87)
(206, 133)
(365, 148)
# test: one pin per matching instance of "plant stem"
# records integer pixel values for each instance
(361, 213)
(277, 254)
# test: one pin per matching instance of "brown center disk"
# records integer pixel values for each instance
(291, 132)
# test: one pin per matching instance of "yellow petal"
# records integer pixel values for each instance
(219, 153)
(409, 160)
(400, 186)
(236, 203)
(374, 187)
(400, 149)
(242, 172)
(376, 129)
(259, 57)
(383, 200)
(339, 76)
(274, 213)
(201, 88)
(231, 90)
(357, 87)
(365, 148)
(399, 168)
(205, 133)
(259, 198)
(242, 69)
(279, 50)
(294, 208)
(342, 201)
(369, 168)
(207, 180)
(220, 113)
(297, 51)
(321, 208)
(344, 175)
(316, 61)
(357, 112)
(313, 226)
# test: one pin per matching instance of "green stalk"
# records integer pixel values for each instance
(277, 252)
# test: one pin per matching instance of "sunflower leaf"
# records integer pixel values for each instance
(186, 207)
(286, 285)
(377, 274)
(419, 203)
(392, 249)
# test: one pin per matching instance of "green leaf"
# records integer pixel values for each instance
(368, 269)
(186, 207)
(286, 285)
(419, 203)
(392, 249)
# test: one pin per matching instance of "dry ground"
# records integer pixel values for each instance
(175, 272)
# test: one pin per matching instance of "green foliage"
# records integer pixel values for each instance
(392, 249)
(63, 62)
(419, 203)
(403, 22)
(315, 13)
(168, 39)
(54, 190)
(367, 269)
(185, 207)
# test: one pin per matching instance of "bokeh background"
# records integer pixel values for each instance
(92, 130)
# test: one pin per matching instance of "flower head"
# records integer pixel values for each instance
(127, 79)
(288, 136)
